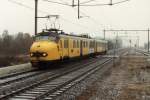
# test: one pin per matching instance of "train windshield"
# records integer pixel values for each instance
(47, 38)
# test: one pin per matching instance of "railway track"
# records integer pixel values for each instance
(15, 74)
(19, 83)
(143, 52)
(60, 82)
(24, 75)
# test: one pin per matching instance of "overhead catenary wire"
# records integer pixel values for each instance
(87, 1)
(44, 12)
(25, 6)
(65, 4)
(92, 19)
(120, 2)
(101, 4)
(95, 21)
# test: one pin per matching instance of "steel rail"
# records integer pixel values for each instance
(44, 80)
(76, 74)
(63, 87)
(24, 75)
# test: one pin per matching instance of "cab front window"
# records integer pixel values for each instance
(37, 38)
(47, 38)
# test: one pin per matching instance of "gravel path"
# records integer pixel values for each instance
(129, 80)
(16, 68)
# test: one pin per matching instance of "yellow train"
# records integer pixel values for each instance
(54, 45)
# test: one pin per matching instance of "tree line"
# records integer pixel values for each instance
(19, 44)
(12, 45)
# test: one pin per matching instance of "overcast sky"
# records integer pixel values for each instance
(134, 14)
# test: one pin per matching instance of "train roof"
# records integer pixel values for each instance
(60, 33)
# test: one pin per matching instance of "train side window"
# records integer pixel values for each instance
(74, 43)
(77, 44)
(60, 43)
(65, 43)
(91, 44)
(86, 44)
(83, 44)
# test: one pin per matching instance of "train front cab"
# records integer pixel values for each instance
(44, 50)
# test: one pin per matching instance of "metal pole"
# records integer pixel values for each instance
(72, 3)
(78, 9)
(148, 40)
(36, 15)
(104, 34)
(110, 2)
(114, 51)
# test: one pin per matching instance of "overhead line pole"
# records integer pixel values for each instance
(135, 30)
(104, 34)
(36, 15)
(110, 2)
(148, 40)
(78, 9)
(73, 3)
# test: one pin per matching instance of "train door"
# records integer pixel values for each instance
(61, 48)
(66, 50)
(81, 48)
(69, 47)
(95, 47)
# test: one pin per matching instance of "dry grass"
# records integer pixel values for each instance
(129, 80)
(13, 60)
(138, 91)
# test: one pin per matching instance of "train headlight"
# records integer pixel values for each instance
(44, 54)
(31, 54)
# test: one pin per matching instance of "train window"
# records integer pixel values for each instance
(77, 44)
(65, 43)
(39, 38)
(60, 43)
(74, 44)
(84, 44)
(92, 44)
